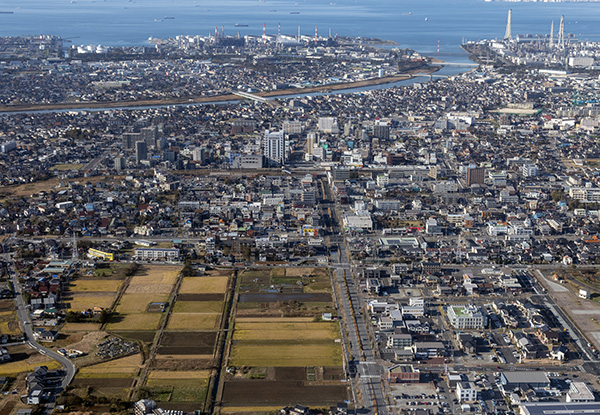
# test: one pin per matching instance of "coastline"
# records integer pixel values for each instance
(215, 98)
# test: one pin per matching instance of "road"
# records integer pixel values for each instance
(23, 315)
(369, 372)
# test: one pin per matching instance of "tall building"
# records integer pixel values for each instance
(311, 140)
(381, 130)
(119, 163)
(274, 147)
(328, 125)
(149, 135)
(475, 175)
(129, 140)
(141, 151)
(292, 127)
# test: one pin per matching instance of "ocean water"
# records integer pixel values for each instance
(417, 24)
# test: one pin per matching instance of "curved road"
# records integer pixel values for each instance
(23, 316)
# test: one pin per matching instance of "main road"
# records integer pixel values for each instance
(23, 316)
(360, 348)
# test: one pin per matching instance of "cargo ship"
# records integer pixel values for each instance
(240, 25)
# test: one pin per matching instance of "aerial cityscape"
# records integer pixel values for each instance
(347, 208)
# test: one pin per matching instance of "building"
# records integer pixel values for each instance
(328, 125)
(144, 406)
(560, 408)
(119, 163)
(579, 392)
(466, 392)
(141, 150)
(157, 253)
(423, 350)
(100, 254)
(8, 146)
(524, 380)
(399, 341)
(404, 374)
(4, 355)
(466, 317)
(248, 161)
(274, 148)
(475, 175)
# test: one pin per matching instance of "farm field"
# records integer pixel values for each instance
(198, 307)
(140, 321)
(95, 285)
(123, 367)
(80, 301)
(193, 321)
(204, 285)
(138, 303)
(281, 350)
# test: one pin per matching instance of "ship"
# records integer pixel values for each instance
(6, 12)
(407, 14)
(168, 17)
(240, 25)
(294, 12)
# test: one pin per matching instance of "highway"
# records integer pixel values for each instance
(23, 316)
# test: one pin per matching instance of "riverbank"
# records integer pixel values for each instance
(214, 98)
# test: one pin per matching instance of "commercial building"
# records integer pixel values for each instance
(466, 317)
(475, 175)
(579, 392)
(465, 392)
(522, 380)
(404, 374)
(560, 408)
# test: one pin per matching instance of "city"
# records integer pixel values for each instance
(274, 224)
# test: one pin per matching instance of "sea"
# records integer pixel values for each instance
(431, 27)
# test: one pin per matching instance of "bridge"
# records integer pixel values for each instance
(251, 97)
(470, 65)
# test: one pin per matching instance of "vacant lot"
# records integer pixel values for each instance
(95, 285)
(80, 301)
(138, 303)
(285, 354)
(204, 285)
(286, 331)
(198, 307)
(257, 392)
(134, 322)
(9, 323)
(80, 327)
(193, 321)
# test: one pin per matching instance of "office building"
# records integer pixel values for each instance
(274, 148)
(141, 151)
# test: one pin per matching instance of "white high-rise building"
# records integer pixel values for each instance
(274, 147)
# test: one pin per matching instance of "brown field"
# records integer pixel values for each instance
(134, 322)
(142, 288)
(138, 303)
(184, 357)
(286, 331)
(198, 307)
(284, 355)
(185, 374)
(274, 319)
(263, 392)
(179, 365)
(156, 274)
(7, 305)
(27, 365)
(9, 323)
(89, 341)
(102, 383)
(201, 297)
(83, 301)
(204, 285)
(249, 409)
(126, 365)
(80, 327)
(143, 336)
(95, 285)
(193, 321)
(193, 344)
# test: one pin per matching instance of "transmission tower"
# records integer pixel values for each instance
(508, 33)
(561, 33)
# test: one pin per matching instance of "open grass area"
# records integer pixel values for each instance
(14, 368)
(9, 323)
(178, 390)
(183, 374)
(95, 285)
(198, 307)
(193, 321)
(84, 301)
(285, 355)
(141, 321)
(286, 331)
(137, 303)
(129, 366)
(204, 285)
